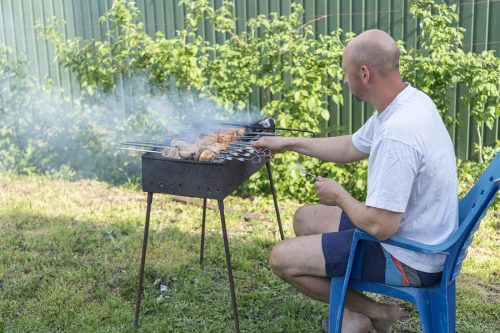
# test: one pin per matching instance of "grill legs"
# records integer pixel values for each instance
(143, 259)
(229, 269)
(203, 231)
(275, 199)
(226, 248)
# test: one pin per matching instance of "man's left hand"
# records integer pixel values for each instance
(329, 191)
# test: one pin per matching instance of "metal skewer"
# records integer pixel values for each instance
(238, 154)
(144, 144)
(242, 149)
(232, 151)
(137, 149)
(271, 128)
(230, 156)
(249, 134)
(306, 172)
(255, 159)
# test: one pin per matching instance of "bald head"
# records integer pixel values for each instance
(375, 49)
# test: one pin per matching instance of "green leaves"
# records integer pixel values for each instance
(275, 54)
(440, 64)
(297, 73)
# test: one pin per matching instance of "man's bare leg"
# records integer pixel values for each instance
(382, 315)
(300, 261)
(316, 219)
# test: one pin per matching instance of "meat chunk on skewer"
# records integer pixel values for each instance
(225, 135)
(214, 149)
(174, 153)
(188, 152)
(208, 138)
(165, 151)
(207, 148)
(207, 156)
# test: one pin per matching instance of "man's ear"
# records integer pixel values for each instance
(365, 73)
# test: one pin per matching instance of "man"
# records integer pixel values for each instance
(412, 190)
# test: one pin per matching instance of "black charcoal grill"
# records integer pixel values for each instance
(207, 180)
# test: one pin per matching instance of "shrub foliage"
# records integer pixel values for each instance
(298, 73)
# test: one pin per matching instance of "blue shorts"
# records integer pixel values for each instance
(378, 264)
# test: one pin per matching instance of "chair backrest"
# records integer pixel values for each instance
(472, 208)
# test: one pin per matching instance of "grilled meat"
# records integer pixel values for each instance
(207, 156)
(173, 153)
(188, 152)
(208, 147)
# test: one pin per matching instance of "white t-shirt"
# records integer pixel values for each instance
(412, 170)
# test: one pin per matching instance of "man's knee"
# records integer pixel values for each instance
(300, 221)
(316, 219)
(279, 260)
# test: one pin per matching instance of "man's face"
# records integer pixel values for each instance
(352, 77)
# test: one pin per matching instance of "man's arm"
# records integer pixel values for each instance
(339, 149)
(380, 223)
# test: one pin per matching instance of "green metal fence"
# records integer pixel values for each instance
(480, 18)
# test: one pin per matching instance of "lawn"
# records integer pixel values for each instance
(70, 254)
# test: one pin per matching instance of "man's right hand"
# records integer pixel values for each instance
(338, 149)
(274, 144)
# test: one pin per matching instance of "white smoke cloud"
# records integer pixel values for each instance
(42, 132)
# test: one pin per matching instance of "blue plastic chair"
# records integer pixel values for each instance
(436, 303)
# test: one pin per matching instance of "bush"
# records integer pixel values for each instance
(446, 66)
(278, 55)
(298, 74)
(42, 133)
(470, 171)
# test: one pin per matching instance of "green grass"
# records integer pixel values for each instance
(70, 253)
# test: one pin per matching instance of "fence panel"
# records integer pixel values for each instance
(480, 18)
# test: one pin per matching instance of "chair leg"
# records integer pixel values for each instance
(424, 311)
(452, 307)
(439, 313)
(443, 310)
(437, 310)
(336, 305)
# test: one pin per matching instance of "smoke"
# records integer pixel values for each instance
(44, 131)
(176, 112)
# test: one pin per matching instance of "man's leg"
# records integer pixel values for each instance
(382, 315)
(316, 219)
(300, 261)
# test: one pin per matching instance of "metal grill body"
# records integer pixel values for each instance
(194, 178)
(207, 180)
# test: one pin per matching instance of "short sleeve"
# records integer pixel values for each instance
(362, 138)
(390, 180)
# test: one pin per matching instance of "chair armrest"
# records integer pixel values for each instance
(406, 243)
